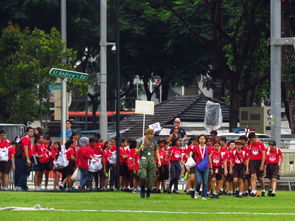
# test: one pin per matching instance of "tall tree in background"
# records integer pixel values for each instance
(26, 58)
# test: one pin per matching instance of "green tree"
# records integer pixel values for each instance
(26, 58)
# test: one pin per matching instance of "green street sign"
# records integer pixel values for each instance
(68, 74)
(55, 86)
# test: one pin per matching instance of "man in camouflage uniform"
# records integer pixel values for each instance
(147, 163)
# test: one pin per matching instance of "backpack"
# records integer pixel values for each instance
(4, 154)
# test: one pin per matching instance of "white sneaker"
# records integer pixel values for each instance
(196, 195)
(204, 198)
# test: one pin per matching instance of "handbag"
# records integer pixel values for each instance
(95, 163)
(190, 163)
(76, 175)
(61, 161)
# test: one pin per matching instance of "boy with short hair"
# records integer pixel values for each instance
(240, 159)
(273, 161)
(256, 163)
(216, 160)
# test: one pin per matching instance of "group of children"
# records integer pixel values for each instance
(233, 166)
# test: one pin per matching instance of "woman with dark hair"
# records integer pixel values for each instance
(49, 164)
(175, 134)
(201, 154)
(55, 153)
(174, 155)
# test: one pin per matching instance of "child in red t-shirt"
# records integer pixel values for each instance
(273, 161)
(42, 157)
(163, 170)
(174, 155)
(216, 161)
(240, 168)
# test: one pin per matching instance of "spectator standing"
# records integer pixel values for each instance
(5, 160)
(24, 163)
(182, 132)
(201, 153)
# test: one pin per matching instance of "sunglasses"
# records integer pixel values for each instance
(271, 144)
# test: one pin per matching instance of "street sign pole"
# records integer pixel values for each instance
(64, 81)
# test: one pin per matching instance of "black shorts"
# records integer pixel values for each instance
(163, 172)
(5, 166)
(124, 172)
(272, 171)
(70, 169)
(217, 173)
(229, 177)
(192, 170)
(239, 171)
(254, 167)
(49, 165)
(39, 167)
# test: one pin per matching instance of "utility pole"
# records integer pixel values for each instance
(276, 43)
(103, 118)
(64, 81)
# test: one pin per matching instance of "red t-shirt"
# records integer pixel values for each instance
(200, 155)
(175, 153)
(255, 150)
(4, 143)
(11, 150)
(107, 153)
(223, 151)
(70, 152)
(136, 158)
(124, 151)
(41, 149)
(273, 156)
(216, 158)
(26, 141)
(163, 156)
(239, 157)
(228, 158)
(98, 148)
(54, 153)
(83, 156)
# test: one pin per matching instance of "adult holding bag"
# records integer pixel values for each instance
(201, 155)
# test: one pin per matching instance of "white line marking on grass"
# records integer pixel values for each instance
(37, 208)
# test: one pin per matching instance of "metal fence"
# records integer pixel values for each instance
(13, 130)
(288, 166)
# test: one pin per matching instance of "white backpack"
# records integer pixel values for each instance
(61, 161)
(113, 158)
(95, 163)
(4, 154)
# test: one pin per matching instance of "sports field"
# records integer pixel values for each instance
(128, 206)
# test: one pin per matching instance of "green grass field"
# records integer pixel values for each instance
(283, 203)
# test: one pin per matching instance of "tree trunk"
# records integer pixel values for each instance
(148, 93)
(165, 90)
(234, 108)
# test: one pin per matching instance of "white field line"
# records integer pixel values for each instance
(139, 211)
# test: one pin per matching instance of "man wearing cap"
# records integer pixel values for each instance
(146, 171)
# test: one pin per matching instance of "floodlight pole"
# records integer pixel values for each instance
(276, 43)
(103, 118)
